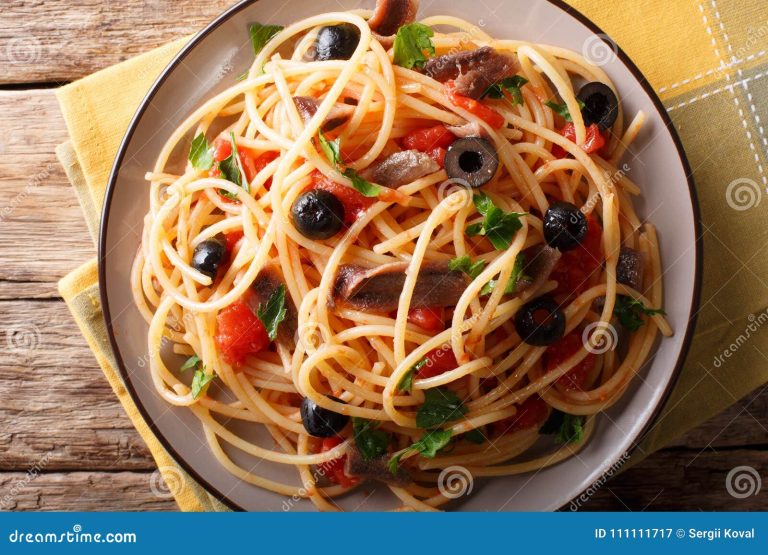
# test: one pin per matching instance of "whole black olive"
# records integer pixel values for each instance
(540, 322)
(600, 105)
(473, 160)
(337, 42)
(320, 422)
(207, 257)
(318, 214)
(565, 226)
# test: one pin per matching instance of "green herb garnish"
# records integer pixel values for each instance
(474, 436)
(567, 428)
(370, 441)
(465, 264)
(440, 406)
(511, 85)
(411, 43)
(261, 35)
(272, 313)
(498, 226)
(332, 151)
(562, 109)
(406, 382)
(427, 446)
(200, 154)
(232, 170)
(630, 312)
(192, 362)
(199, 381)
(514, 278)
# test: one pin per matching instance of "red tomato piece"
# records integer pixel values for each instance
(354, 203)
(232, 238)
(239, 333)
(594, 141)
(488, 115)
(428, 319)
(428, 138)
(561, 351)
(531, 412)
(438, 362)
(575, 267)
(252, 162)
(438, 155)
(334, 469)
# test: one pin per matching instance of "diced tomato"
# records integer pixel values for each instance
(438, 155)
(488, 115)
(561, 351)
(252, 162)
(428, 138)
(594, 141)
(239, 333)
(334, 469)
(354, 203)
(232, 238)
(575, 267)
(438, 362)
(531, 412)
(428, 319)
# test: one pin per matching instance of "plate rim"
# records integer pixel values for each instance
(225, 16)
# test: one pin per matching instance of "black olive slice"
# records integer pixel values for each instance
(540, 322)
(472, 159)
(600, 105)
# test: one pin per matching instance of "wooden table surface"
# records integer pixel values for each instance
(65, 442)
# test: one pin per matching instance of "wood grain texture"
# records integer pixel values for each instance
(63, 40)
(42, 232)
(81, 491)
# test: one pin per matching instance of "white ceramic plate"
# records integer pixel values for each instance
(210, 64)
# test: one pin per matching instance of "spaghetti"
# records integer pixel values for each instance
(400, 321)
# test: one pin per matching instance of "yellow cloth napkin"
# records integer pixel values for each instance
(679, 46)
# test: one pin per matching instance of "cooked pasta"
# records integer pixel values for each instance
(398, 255)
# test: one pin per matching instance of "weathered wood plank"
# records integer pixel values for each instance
(41, 42)
(681, 480)
(42, 232)
(54, 400)
(82, 491)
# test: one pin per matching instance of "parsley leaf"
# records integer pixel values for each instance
(200, 153)
(370, 442)
(440, 406)
(331, 149)
(498, 226)
(411, 42)
(465, 264)
(199, 382)
(510, 84)
(261, 35)
(273, 312)
(232, 169)
(475, 436)
(406, 382)
(511, 288)
(562, 109)
(192, 362)
(567, 428)
(427, 446)
(364, 187)
(630, 312)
